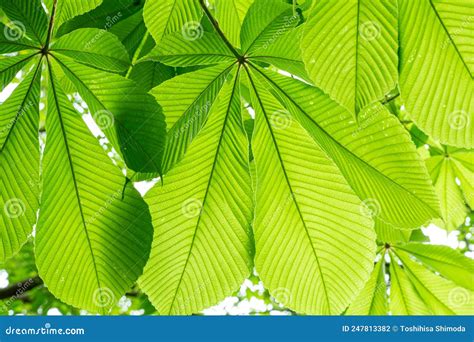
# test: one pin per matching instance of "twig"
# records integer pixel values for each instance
(219, 31)
(50, 27)
(20, 288)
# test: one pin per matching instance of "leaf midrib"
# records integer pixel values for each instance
(376, 288)
(165, 162)
(125, 63)
(213, 167)
(342, 146)
(104, 107)
(20, 109)
(356, 81)
(402, 289)
(424, 287)
(71, 167)
(25, 19)
(451, 38)
(264, 30)
(291, 189)
(415, 253)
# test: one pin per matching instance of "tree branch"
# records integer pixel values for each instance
(219, 31)
(20, 288)
(50, 27)
(389, 99)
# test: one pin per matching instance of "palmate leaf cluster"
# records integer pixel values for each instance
(287, 137)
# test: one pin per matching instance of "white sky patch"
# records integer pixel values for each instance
(439, 236)
(94, 128)
(5, 94)
(54, 312)
(3, 279)
(145, 186)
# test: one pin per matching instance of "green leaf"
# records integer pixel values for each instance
(202, 251)
(449, 263)
(19, 164)
(148, 75)
(130, 118)
(107, 241)
(131, 32)
(373, 154)
(388, 233)
(372, 300)
(306, 215)
(230, 14)
(265, 22)
(12, 40)
(107, 16)
(177, 49)
(284, 53)
(435, 83)
(68, 9)
(28, 17)
(95, 48)
(186, 101)
(350, 50)
(463, 164)
(10, 66)
(456, 16)
(404, 298)
(444, 170)
(167, 16)
(423, 292)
